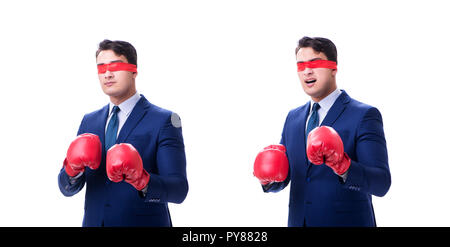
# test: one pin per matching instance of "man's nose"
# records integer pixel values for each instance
(108, 74)
(307, 71)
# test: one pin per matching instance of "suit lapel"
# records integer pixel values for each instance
(100, 125)
(336, 110)
(302, 124)
(135, 117)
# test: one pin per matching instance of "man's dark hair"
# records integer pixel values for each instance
(120, 48)
(319, 45)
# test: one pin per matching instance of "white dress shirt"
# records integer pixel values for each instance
(325, 105)
(125, 109)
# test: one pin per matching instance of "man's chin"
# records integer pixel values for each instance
(113, 96)
(111, 92)
(312, 92)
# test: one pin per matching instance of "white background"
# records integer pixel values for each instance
(228, 69)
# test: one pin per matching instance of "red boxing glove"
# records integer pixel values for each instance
(324, 145)
(85, 150)
(271, 164)
(124, 162)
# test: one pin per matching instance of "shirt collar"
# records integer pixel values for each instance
(128, 105)
(327, 102)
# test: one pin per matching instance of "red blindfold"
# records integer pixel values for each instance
(116, 67)
(316, 64)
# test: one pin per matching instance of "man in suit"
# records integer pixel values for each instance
(333, 170)
(129, 154)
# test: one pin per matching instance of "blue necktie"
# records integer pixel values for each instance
(313, 120)
(111, 131)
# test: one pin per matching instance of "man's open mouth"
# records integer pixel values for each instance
(310, 81)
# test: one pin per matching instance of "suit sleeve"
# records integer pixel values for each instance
(369, 171)
(67, 185)
(170, 184)
(278, 186)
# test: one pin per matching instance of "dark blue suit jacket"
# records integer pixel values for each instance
(319, 197)
(151, 131)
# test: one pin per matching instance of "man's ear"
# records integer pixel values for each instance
(334, 72)
(134, 75)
